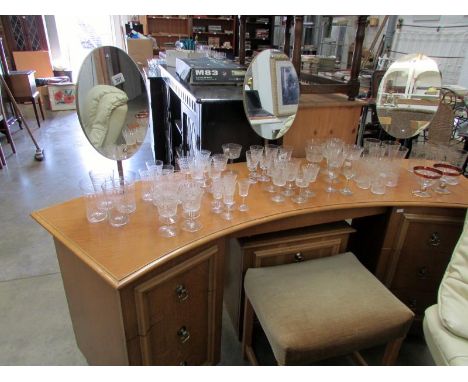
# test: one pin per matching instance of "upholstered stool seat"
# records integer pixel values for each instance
(323, 308)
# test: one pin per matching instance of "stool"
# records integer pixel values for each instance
(322, 308)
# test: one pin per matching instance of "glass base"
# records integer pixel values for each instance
(97, 216)
(330, 189)
(443, 191)
(288, 192)
(227, 216)
(243, 207)
(191, 226)
(299, 199)
(270, 188)
(278, 198)
(309, 193)
(263, 178)
(421, 194)
(167, 231)
(346, 191)
(119, 221)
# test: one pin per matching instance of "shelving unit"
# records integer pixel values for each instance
(223, 38)
(258, 33)
(167, 29)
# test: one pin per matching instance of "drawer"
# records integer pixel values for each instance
(421, 270)
(175, 313)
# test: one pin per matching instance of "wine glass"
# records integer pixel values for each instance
(219, 161)
(264, 164)
(184, 165)
(302, 182)
(349, 172)
(252, 160)
(243, 185)
(448, 173)
(191, 194)
(311, 171)
(167, 209)
(232, 151)
(229, 188)
(217, 192)
(279, 177)
(292, 168)
(285, 152)
(427, 176)
(334, 162)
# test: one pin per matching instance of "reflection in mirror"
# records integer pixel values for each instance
(112, 103)
(271, 94)
(409, 96)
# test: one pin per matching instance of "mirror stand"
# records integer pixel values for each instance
(120, 169)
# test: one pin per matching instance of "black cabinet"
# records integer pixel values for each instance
(189, 117)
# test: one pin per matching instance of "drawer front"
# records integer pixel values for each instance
(175, 312)
(422, 249)
(295, 253)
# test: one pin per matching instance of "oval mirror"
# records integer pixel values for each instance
(409, 95)
(112, 102)
(271, 94)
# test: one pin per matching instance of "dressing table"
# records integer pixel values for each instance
(136, 298)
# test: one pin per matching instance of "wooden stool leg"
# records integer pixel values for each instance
(247, 332)
(40, 108)
(391, 352)
(6, 130)
(35, 112)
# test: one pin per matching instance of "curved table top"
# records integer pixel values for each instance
(121, 255)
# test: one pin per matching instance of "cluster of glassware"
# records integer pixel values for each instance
(436, 165)
(109, 197)
(281, 173)
(134, 134)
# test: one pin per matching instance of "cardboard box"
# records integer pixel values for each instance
(171, 55)
(140, 50)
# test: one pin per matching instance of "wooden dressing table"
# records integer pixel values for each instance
(137, 298)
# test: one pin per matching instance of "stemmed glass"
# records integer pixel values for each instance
(349, 172)
(167, 209)
(292, 168)
(232, 151)
(243, 185)
(252, 159)
(313, 152)
(184, 165)
(219, 161)
(427, 176)
(217, 192)
(229, 188)
(191, 195)
(264, 164)
(334, 163)
(449, 173)
(279, 177)
(302, 182)
(310, 171)
(285, 152)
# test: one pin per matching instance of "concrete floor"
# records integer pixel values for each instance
(35, 326)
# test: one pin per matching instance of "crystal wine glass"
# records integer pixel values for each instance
(229, 188)
(349, 172)
(232, 151)
(302, 182)
(191, 194)
(292, 168)
(243, 185)
(427, 176)
(217, 192)
(448, 173)
(279, 177)
(252, 160)
(311, 171)
(167, 209)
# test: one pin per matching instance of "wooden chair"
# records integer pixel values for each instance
(322, 308)
(5, 123)
(23, 86)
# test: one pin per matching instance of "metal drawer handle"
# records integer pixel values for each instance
(183, 334)
(182, 293)
(422, 272)
(434, 240)
(298, 257)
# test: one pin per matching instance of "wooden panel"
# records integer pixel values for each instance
(38, 61)
(162, 313)
(323, 116)
(94, 309)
